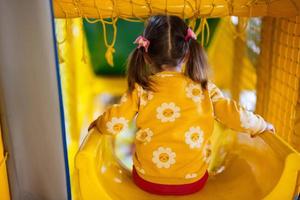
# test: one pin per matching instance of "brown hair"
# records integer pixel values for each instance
(167, 47)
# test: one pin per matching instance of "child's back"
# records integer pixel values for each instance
(174, 110)
(174, 123)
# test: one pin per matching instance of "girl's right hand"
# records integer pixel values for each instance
(270, 128)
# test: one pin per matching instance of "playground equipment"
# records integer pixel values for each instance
(264, 168)
(261, 168)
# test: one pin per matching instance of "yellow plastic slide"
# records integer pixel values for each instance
(261, 168)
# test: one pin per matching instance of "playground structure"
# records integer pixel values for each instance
(99, 174)
(267, 167)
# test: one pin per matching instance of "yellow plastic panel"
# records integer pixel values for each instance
(81, 87)
(279, 77)
(4, 189)
(255, 171)
(232, 70)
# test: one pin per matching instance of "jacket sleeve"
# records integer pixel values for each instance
(234, 116)
(116, 118)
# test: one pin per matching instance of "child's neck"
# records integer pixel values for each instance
(171, 68)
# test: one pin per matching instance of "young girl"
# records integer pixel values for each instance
(175, 108)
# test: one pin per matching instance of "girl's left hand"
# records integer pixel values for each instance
(270, 128)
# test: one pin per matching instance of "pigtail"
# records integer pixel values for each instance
(137, 70)
(197, 66)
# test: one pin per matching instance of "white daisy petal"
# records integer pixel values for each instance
(168, 112)
(145, 97)
(194, 92)
(124, 98)
(139, 169)
(191, 175)
(116, 125)
(163, 157)
(194, 137)
(207, 153)
(217, 95)
(159, 109)
(164, 75)
(144, 135)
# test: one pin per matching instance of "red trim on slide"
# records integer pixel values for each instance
(162, 189)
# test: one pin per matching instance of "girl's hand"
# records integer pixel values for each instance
(270, 128)
(92, 125)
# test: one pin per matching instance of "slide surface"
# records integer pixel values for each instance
(261, 168)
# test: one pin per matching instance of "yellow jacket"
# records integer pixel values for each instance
(174, 124)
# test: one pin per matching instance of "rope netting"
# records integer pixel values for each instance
(279, 77)
(137, 11)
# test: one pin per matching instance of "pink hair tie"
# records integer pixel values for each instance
(190, 34)
(141, 41)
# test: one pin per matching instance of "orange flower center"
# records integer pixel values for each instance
(196, 92)
(118, 127)
(143, 135)
(195, 137)
(145, 96)
(163, 157)
(168, 112)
